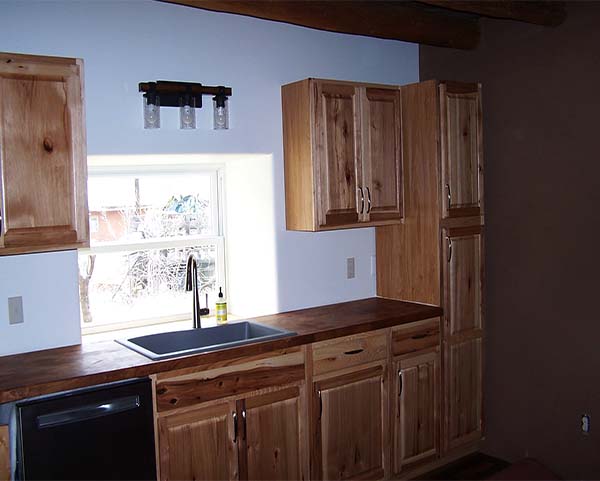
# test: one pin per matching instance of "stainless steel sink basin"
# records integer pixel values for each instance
(193, 341)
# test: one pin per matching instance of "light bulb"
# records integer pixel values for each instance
(220, 114)
(187, 117)
(152, 113)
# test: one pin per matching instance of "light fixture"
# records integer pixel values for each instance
(220, 111)
(187, 97)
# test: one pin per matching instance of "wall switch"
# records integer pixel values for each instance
(585, 423)
(350, 273)
(15, 310)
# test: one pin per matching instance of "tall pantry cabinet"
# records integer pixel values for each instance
(436, 255)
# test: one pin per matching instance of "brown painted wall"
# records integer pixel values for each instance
(541, 97)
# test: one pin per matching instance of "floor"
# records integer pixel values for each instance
(475, 466)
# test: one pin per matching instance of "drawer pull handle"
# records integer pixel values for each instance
(354, 351)
(400, 383)
(419, 336)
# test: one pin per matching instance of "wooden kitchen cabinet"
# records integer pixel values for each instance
(350, 407)
(273, 435)
(250, 414)
(436, 256)
(342, 154)
(462, 166)
(350, 425)
(416, 410)
(199, 444)
(43, 165)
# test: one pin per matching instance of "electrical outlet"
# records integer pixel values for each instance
(350, 272)
(15, 310)
(585, 423)
(373, 266)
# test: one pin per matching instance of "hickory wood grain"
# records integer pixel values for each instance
(53, 370)
(4, 454)
(43, 97)
(416, 337)
(408, 254)
(186, 389)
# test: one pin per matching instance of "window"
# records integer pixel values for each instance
(144, 222)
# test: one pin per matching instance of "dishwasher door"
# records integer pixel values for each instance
(103, 433)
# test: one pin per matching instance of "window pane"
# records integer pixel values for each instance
(132, 208)
(143, 284)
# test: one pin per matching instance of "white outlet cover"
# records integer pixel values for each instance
(15, 310)
(350, 268)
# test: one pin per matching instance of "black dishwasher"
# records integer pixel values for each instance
(101, 433)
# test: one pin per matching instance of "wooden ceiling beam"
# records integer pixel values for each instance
(548, 13)
(382, 19)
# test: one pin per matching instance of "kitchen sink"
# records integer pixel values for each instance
(181, 343)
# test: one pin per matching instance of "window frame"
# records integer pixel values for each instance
(156, 165)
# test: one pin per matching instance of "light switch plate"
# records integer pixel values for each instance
(15, 310)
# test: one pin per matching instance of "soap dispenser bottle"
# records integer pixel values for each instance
(221, 308)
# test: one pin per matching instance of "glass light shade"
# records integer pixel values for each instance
(220, 115)
(152, 113)
(187, 114)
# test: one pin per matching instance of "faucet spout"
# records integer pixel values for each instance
(191, 284)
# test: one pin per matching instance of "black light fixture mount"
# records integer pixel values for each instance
(185, 95)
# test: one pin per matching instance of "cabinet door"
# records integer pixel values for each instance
(350, 424)
(464, 391)
(416, 410)
(273, 436)
(42, 142)
(382, 154)
(338, 152)
(462, 162)
(463, 279)
(199, 444)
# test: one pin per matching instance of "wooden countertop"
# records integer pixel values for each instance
(53, 370)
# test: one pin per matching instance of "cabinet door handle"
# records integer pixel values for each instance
(449, 248)
(244, 422)
(320, 404)
(362, 200)
(400, 383)
(235, 426)
(368, 199)
(449, 195)
(419, 336)
(354, 351)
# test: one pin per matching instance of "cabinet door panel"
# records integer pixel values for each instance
(42, 145)
(199, 444)
(350, 427)
(338, 152)
(464, 396)
(382, 158)
(273, 441)
(416, 428)
(463, 286)
(462, 163)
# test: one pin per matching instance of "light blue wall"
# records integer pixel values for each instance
(126, 42)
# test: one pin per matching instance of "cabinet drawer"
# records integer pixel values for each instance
(187, 388)
(416, 336)
(348, 351)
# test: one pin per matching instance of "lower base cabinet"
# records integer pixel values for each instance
(272, 436)
(350, 427)
(199, 444)
(464, 391)
(416, 410)
(373, 410)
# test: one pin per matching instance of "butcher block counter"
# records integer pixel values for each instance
(53, 370)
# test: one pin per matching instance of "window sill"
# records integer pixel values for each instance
(130, 332)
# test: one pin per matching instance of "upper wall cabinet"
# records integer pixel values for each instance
(43, 173)
(462, 169)
(342, 154)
